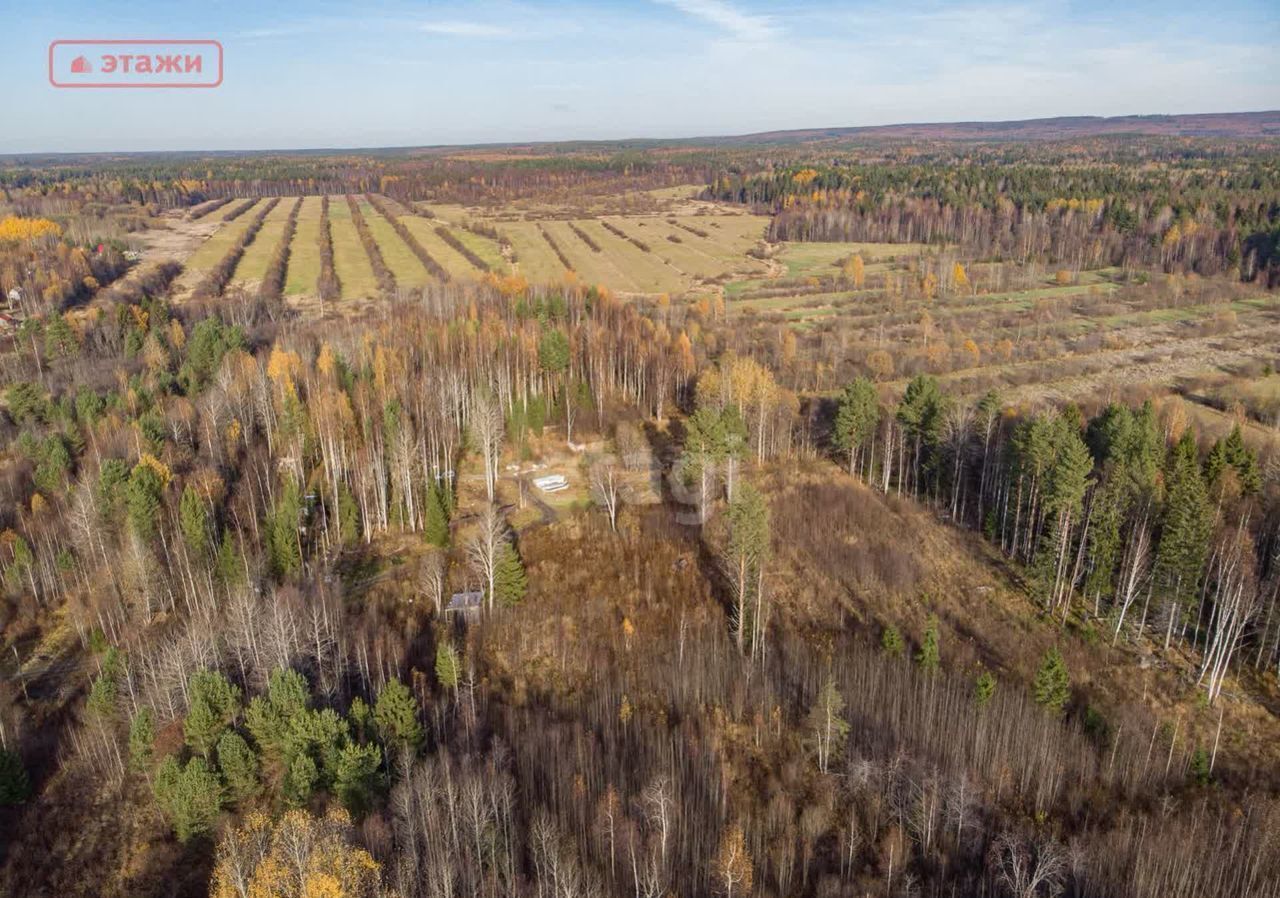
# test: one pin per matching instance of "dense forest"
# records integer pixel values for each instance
(871, 636)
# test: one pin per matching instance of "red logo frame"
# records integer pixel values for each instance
(134, 43)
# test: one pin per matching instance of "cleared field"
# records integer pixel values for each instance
(350, 261)
(648, 272)
(534, 258)
(449, 258)
(404, 265)
(304, 252)
(697, 256)
(209, 253)
(483, 247)
(257, 255)
(822, 258)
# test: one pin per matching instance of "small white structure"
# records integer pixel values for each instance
(551, 483)
(467, 603)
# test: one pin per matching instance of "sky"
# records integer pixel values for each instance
(329, 74)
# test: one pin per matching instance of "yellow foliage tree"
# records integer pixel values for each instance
(20, 230)
(855, 271)
(300, 856)
(959, 277)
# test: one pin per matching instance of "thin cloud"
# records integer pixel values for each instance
(457, 28)
(741, 25)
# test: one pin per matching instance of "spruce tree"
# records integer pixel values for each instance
(510, 580)
(891, 641)
(194, 519)
(448, 665)
(1186, 526)
(984, 687)
(928, 657)
(1052, 686)
(396, 714)
(436, 528)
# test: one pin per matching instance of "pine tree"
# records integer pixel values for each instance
(190, 796)
(356, 776)
(194, 519)
(269, 717)
(239, 766)
(142, 737)
(856, 418)
(510, 580)
(1052, 686)
(214, 704)
(396, 714)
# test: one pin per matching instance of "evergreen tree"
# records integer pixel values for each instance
(142, 499)
(891, 641)
(1186, 526)
(269, 717)
(1052, 686)
(190, 796)
(436, 528)
(928, 657)
(396, 714)
(361, 717)
(214, 704)
(283, 548)
(194, 519)
(356, 777)
(300, 779)
(448, 665)
(856, 418)
(349, 513)
(984, 687)
(229, 566)
(510, 580)
(239, 766)
(142, 737)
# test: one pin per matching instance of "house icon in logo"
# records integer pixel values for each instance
(80, 66)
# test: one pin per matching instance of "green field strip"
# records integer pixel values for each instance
(452, 261)
(647, 270)
(535, 260)
(304, 252)
(258, 254)
(350, 261)
(405, 266)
